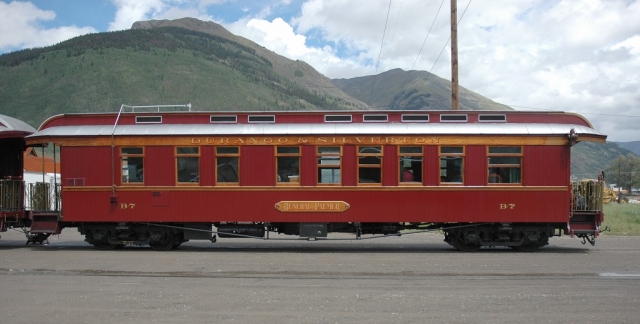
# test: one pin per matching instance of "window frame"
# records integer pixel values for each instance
(401, 167)
(320, 166)
(279, 155)
(227, 155)
(519, 155)
(379, 166)
(131, 155)
(453, 155)
(187, 155)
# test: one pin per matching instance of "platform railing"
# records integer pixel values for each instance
(43, 197)
(11, 195)
(587, 195)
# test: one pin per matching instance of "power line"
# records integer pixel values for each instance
(445, 46)
(424, 42)
(396, 25)
(380, 53)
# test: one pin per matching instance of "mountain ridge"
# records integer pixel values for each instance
(397, 89)
(633, 146)
(309, 78)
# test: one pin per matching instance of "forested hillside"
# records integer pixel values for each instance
(168, 65)
(587, 159)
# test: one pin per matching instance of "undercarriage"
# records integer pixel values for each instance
(466, 237)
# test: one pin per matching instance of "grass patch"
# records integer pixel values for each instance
(622, 219)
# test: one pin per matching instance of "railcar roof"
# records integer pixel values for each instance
(11, 127)
(318, 129)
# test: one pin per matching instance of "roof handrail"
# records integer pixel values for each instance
(133, 108)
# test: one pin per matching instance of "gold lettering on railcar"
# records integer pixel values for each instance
(507, 206)
(321, 140)
(127, 206)
(312, 206)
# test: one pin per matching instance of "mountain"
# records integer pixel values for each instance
(587, 158)
(300, 72)
(412, 90)
(160, 62)
(631, 146)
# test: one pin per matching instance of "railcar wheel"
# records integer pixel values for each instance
(460, 245)
(532, 246)
(165, 245)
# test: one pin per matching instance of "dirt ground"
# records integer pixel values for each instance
(410, 279)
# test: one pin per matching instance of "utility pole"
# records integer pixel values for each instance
(619, 196)
(454, 55)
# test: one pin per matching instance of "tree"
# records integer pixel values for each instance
(625, 171)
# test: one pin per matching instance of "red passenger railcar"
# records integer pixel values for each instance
(161, 178)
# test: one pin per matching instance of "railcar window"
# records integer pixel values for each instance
(505, 164)
(132, 159)
(375, 118)
(407, 118)
(451, 164)
(370, 165)
(329, 165)
(227, 165)
(410, 164)
(288, 165)
(188, 165)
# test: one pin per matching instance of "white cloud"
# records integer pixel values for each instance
(20, 28)
(130, 11)
(551, 55)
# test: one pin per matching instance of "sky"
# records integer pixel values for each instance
(580, 56)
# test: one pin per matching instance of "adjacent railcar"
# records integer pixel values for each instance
(12, 187)
(485, 178)
(23, 206)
